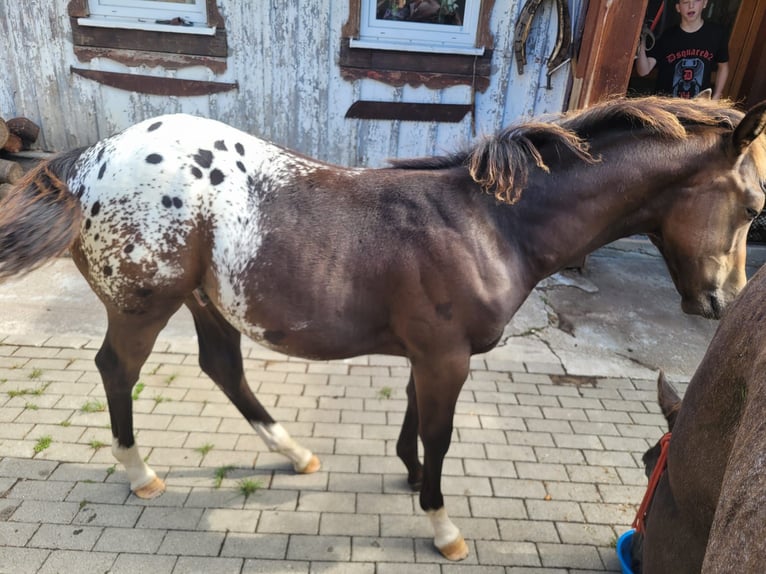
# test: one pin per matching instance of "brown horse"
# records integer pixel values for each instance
(709, 508)
(414, 260)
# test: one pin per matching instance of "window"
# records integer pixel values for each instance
(173, 34)
(177, 16)
(383, 44)
(442, 26)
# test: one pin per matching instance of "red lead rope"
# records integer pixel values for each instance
(654, 480)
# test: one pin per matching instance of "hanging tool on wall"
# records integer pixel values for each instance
(561, 51)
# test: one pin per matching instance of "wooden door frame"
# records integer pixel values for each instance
(749, 21)
(604, 63)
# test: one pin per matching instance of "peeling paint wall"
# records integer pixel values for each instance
(284, 56)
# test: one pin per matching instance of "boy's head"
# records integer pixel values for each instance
(690, 11)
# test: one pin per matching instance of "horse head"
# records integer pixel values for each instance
(710, 215)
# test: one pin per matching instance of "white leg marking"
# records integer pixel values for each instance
(279, 440)
(138, 471)
(445, 532)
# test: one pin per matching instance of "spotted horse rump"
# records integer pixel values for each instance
(426, 259)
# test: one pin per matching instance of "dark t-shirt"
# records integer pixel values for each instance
(686, 60)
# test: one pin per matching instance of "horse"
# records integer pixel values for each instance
(709, 507)
(428, 258)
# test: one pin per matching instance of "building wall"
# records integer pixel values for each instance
(284, 57)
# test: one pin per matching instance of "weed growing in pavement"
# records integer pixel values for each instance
(42, 443)
(36, 374)
(385, 393)
(137, 390)
(97, 444)
(205, 448)
(93, 406)
(220, 474)
(248, 487)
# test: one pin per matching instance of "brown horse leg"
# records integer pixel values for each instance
(220, 357)
(438, 385)
(128, 342)
(407, 444)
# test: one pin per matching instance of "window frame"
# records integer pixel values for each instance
(414, 36)
(397, 68)
(146, 15)
(151, 48)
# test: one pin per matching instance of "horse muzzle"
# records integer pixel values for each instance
(707, 305)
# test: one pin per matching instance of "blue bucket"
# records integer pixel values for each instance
(624, 544)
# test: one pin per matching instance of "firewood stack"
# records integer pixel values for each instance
(16, 135)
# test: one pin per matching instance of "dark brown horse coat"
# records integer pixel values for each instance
(415, 260)
(709, 510)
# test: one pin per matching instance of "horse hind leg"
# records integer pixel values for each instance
(407, 444)
(220, 357)
(128, 342)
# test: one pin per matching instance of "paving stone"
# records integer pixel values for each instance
(186, 543)
(75, 561)
(288, 567)
(528, 531)
(570, 556)
(65, 537)
(170, 518)
(40, 490)
(23, 468)
(229, 520)
(260, 546)
(107, 515)
(149, 563)
(132, 540)
(16, 533)
(507, 553)
(21, 560)
(43, 511)
(340, 524)
(197, 564)
(288, 522)
(321, 548)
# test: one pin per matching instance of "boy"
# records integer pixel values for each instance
(686, 55)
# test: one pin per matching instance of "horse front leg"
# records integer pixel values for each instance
(438, 384)
(407, 444)
(127, 344)
(220, 357)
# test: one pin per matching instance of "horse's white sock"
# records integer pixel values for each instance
(445, 532)
(278, 440)
(138, 471)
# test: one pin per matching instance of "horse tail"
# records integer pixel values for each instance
(39, 217)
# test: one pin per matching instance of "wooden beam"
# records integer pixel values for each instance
(153, 84)
(408, 112)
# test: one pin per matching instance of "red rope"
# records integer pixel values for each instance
(657, 17)
(639, 523)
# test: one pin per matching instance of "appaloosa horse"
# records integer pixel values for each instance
(428, 259)
(709, 508)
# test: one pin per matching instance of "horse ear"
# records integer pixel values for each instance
(668, 399)
(706, 94)
(751, 126)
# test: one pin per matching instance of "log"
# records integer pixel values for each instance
(10, 171)
(4, 189)
(13, 144)
(25, 128)
(4, 133)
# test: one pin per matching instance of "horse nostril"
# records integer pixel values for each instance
(716, 307)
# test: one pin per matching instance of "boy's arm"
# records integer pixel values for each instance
(720, 79)
(644, 64)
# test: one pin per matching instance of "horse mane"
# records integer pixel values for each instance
(500, 163)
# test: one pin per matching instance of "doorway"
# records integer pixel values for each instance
(661, 15)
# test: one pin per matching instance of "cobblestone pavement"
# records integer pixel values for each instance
(543, 474)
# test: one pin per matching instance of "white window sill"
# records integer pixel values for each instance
(413, 46)
(130, 24)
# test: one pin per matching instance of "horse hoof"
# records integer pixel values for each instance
(455, 550)
(150, 490)
(312, 466)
